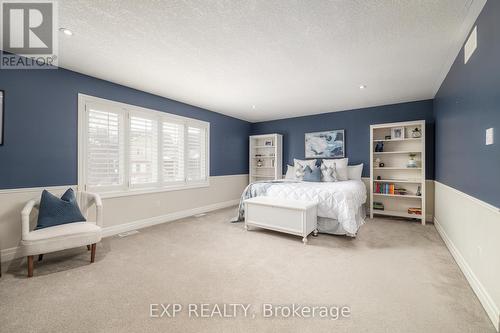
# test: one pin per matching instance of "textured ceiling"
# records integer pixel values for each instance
(288, 58)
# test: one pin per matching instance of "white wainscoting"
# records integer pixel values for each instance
(470, 228)
(125, 213)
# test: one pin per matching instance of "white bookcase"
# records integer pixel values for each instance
(407, 178)
(266, 157)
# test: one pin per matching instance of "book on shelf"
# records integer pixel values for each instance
(400, 191)
(415, 210)
(391, 189)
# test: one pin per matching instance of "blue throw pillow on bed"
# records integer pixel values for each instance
(312, 175)
(54, 211)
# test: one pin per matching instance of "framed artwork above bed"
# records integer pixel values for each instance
(327, 144)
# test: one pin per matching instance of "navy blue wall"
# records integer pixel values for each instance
(357, 130)
(40, 142)
(40, 139)
(468, 103)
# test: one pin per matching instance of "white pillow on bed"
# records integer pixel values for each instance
(340, 166)
(300, 165)
(328, 173)
(290, 172)
(355, 171)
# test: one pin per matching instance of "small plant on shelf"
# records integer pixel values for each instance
(412, 163)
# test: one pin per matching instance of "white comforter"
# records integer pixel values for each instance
(341, 201)
(336, 200)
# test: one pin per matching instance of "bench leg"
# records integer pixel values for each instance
(30, 266)
(92, 253)
(88, 247)
(304, 240)
(40, 257)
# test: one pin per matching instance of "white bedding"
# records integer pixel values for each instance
(336, 200)
(341, 201)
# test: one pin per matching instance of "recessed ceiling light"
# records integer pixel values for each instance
(362, 87)
(65, 31)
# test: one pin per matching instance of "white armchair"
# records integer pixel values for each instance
(64, 236)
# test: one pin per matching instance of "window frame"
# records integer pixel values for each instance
(127, 110)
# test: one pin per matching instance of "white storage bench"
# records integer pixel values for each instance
(289, 216)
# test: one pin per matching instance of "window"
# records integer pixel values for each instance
(172, 152)
(143, 151)
(196, 148)
(105, 148)
(128, 149)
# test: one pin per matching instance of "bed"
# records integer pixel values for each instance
(341, 205)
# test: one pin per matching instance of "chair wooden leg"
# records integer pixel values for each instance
(40, 257)
(92, 253)
(30, 266)
(88, 247)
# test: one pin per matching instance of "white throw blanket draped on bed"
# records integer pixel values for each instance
(340, 201)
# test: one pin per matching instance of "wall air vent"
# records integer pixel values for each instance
(470, 45)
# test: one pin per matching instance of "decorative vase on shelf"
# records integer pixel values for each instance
(259, 163)
(419, 191)
(416, 133)
(379, 148)
(412, 163)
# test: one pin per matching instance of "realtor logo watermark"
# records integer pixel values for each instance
(241, 310)
(29, 34)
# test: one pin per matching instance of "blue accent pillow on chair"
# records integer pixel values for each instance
(54, 211)
(312, 175)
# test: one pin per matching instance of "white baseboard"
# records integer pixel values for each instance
(485, 299)
(10, 253)
(15, 252)
(116, 229)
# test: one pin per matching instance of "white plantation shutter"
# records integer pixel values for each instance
(127, 148)
(143, 150)
(172, 152)
(196, 154)
(105, 148)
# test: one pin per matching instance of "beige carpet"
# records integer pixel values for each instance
(397, 276)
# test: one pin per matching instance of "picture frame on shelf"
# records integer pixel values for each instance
(268, 143)
(397, 133)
